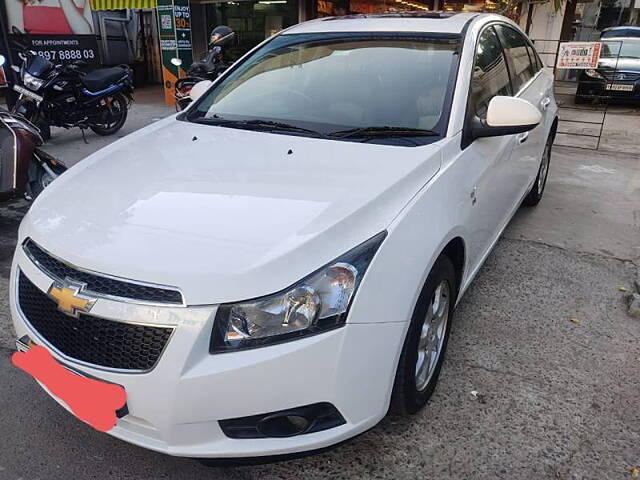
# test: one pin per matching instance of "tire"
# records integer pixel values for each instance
(11, 99)
(42, 180)
(182, 104)
(119, 105)
(35, 116)
(535, 195)
(26, 109)
(411, 390)
(45, 129)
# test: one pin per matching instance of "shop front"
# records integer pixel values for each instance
(169, 29)
(256, 20)
(252, 20)
(326, 8)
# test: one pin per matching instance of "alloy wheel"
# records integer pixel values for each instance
(544, 167)
(45, 180)
(114, 113)
(432, 335)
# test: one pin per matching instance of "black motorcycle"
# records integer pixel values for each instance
(70, 96)
(209, 67)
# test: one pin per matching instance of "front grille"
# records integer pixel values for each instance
(99, 284)
(615, 76)
(93, 340)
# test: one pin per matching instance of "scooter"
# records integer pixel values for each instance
(25, 170)
(209, 67)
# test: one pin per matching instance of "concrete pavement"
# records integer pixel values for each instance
(613, 127)
(543, 335)
(148, 107)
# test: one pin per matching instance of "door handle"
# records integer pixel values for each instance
(545, 103)
(522, 137)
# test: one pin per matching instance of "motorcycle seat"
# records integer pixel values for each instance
(103, 77)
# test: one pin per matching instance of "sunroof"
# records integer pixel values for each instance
(407, 14)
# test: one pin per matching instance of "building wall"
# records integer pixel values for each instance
(587, 14)
(546, 25)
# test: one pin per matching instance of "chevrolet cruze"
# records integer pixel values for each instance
(272, 270)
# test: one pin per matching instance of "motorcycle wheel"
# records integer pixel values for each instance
(45, 129)
(42, 181)
(11, 98)
(34, 115)
(182, 104)
(118, 117)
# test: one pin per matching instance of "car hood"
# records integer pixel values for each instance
(224, 214)
(622, 64)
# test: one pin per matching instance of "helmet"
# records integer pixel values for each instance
(221, 36)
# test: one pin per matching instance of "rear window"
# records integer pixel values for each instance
(621, 32)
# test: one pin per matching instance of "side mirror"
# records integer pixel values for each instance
(176, 61)
(199, 89)
(506, 116)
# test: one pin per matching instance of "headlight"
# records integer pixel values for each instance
(593, 73)
(34, 83)
(318, 303)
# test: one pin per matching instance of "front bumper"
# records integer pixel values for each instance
(176, 407)
(610, 89)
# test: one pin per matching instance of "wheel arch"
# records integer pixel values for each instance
(554, 128)
(455, 250)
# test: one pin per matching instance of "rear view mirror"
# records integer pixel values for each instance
(506, 116)
(199, 89)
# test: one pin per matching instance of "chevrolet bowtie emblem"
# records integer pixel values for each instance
(70, 299)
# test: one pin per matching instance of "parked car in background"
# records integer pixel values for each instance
(621, 32)
(617, 76)
(272, 270)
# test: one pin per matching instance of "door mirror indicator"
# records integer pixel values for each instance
(506, 116)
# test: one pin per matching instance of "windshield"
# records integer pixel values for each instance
(621, 32)
(330, 84)
(624, 48)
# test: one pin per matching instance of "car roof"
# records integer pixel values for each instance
(620, 39)
(428, 22)
(621, 27)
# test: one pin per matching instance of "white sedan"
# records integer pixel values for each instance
(269, 271)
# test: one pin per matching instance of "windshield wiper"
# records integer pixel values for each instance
(385, 131)
(268, 124)
(257, 124)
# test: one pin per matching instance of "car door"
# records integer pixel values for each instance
(530, 85)
(486, 160)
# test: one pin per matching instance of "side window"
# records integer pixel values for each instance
(535, 59)
(515, 48)
(490, 75)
